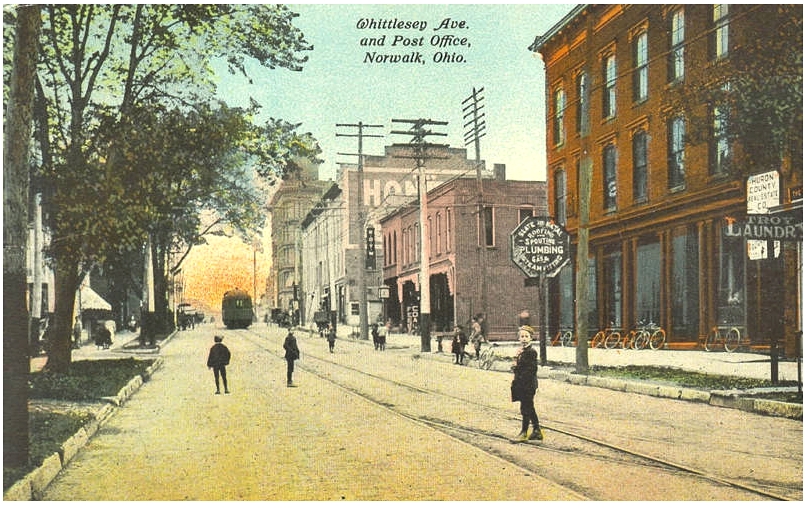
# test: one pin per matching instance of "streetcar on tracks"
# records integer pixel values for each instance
(237, 309)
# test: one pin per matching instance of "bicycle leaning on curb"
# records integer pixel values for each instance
(487, 355)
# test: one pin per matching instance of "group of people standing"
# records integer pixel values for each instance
(522, 389)
(379, 333)
(461, 340)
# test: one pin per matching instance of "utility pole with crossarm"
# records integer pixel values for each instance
(363, 310)
(419, 131)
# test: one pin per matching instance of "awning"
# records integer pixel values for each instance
(87, 299)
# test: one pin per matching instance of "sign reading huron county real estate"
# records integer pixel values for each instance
(539, 245)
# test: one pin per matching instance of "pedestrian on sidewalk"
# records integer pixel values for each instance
(525, 384)
(458, 345)
(476, 336)
(218, 357)
(291, 354)
(331, 337)
(382, 332)
(375, 336)
(77, 333)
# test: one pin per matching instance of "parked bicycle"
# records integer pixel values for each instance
(487, 355)
(562, 338)
(600, 337)
(727, 335)
(615, 338)
(652, 335)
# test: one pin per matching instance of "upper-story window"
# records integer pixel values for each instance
(557, 121)
(675, 59)
(438, 233)
(610, 177)
(560, 196)
(486, 231)
(582, 104)
(447, 230)
(719, 43)
(523, 213)
(417, 239)
(609, 86)
(675, 153)
(720, 145)
(394, 246)
(430, 236)
(640, 147)
(640, 60)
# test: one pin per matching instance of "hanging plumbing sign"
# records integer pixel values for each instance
(539, 245)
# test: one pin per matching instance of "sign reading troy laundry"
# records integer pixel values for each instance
(778, 226)
(539, 245)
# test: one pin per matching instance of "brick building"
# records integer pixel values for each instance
(470, 267)
(666, 182)
(289, 205)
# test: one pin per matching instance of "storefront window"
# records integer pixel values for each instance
(684, 303)
(648, 282)
(613, 280)
(731, 292)
(566, 297)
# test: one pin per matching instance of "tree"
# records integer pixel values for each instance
(760, 85)
(100, 64)
(17, 127)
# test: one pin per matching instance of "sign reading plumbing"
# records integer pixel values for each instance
(539, 245)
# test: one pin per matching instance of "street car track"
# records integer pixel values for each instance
(637, 458)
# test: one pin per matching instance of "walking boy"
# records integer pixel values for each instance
(218, 357)
(291, 354)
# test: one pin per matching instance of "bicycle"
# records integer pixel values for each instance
(487, 355)
(728, 335)
(601, 336)
(562, 338)
(628, 340)
(652, 335)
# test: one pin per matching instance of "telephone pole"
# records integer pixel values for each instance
(420, 148)
(363, 310)
(472, 112)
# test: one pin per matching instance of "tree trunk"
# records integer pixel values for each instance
(582, 280)
(16, 359)
(66, 283)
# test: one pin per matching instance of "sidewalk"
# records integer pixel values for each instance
(89, 351)
(751, 365)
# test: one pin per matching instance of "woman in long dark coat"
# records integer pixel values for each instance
(525, 384)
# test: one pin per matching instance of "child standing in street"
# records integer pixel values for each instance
(525, 383)
(291, 354)
(218, 357)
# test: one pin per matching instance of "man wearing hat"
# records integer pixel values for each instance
(525, 383)
(218, 357)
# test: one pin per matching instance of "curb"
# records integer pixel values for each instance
(33, 485)
(740, 400)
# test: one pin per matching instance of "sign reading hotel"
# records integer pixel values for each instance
(539, 245)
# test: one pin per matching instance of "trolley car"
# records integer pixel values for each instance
(237, 309)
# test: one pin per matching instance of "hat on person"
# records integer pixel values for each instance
(527, 329)
(218, 338)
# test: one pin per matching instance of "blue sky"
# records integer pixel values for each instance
(336, 86)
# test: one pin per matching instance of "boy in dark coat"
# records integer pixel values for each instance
(218, 357)
(525, 383)
(291, 354)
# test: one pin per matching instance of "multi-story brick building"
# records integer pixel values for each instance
(665, 183)
(289, 205)
(470, 266)
(334, 239)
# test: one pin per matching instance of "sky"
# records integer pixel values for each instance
(337, 86)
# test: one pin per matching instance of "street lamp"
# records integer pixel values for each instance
(383, 293)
